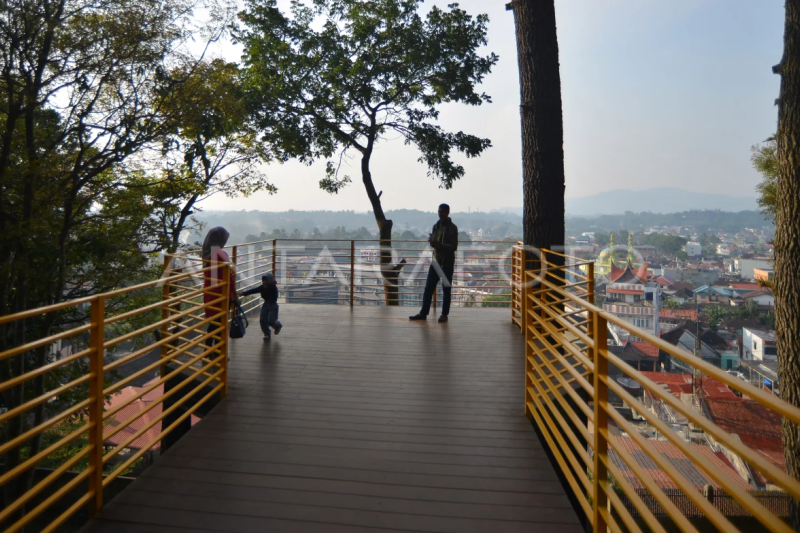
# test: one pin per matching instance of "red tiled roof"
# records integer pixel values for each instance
(683, 464)
(756, 426)
(679, 384)
(134, 418)
(746, 418)
(678, 313)
(645, 348)
(617, 273)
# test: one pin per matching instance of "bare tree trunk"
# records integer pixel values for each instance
(542, 127)
(787, 239)
(389, 270)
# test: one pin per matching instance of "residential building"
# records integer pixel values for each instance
(763, 299)
(626, 297)
(759, 345)
(693, 249)
(746, 267)
(708, 294)
(685, 337)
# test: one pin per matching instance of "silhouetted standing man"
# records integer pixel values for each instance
(444, 240)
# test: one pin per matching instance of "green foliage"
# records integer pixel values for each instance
(339, 75)
(765, 160)
(699, 220)
(601, 238)
(749, 311)
(497, 300)
(669, 245)
(708, 243)
(210, 148)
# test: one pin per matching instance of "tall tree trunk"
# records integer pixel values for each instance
(787, 238)
(542, 127)
(389, 270)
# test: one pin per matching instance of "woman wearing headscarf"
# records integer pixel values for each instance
(214, 256)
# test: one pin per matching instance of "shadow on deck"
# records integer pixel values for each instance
(359, 421)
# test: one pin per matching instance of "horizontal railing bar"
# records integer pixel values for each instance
(545, 324)
(45, 341)
(566, 364)
(150, 307)
(780, 406)
(577, 377)
(32, 461)
(11, 413)
(66, 515)
(776, 475)
(135, 457)
(110, 414)
(152, 366)
(573, 483)
(664, 464)
(43, 426)
(746, 500)
(649, 483)
(156, 325)
(166, 412)
(579, 469)
(44, 369)
(22, 522)
(644, 512)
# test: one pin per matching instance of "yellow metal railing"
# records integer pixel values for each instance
(57, 450)
(567, 393)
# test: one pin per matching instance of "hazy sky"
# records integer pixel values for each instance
(656, 93)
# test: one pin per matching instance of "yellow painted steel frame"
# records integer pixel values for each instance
(567, 388)
(182, 334)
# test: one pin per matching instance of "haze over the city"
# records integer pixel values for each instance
(655, 94)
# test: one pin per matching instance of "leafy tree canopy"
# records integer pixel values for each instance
(765, 161)
(371, 68)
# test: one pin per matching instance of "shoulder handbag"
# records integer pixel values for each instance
(239, 323)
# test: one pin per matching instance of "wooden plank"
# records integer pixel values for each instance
(359, 421)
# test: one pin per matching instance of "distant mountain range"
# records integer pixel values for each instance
(656, 200)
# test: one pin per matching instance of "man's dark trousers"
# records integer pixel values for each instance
(430, 286)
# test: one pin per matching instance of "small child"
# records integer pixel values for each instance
(269, 310)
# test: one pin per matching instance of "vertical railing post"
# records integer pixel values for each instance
(224, 339)
(235, 260)
(275, 258)
(590, 297)
(352, 269)
(96, 385)
(165, 312)
(523, 283)
(523, 326)
(600, 445)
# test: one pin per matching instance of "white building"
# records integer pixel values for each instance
(759, 345)
(746, 267)
(693, 249)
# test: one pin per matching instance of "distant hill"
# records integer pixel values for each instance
(657, 200)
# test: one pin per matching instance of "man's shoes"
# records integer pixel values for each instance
(278, 329)
(418, 317)
(443, 318)
(267, 337)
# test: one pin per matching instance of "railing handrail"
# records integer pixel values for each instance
(181, 331)
(551, 336)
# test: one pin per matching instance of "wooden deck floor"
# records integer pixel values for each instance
(359, 421)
